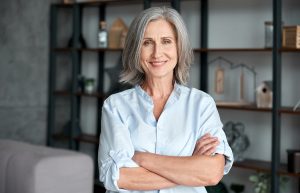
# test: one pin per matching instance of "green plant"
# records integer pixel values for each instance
(262, 182)
(89, 81)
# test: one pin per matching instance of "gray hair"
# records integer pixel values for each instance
(132, 70)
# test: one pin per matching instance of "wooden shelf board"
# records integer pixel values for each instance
(87, 138)
(236, 106)
(63, 5)
(66, 49)
(232, 49)
(68, 93)
(260, 166)
(81, 138)
(62, 49)
(289, 49)
(95, 94)
(60, 136)
(62, 93)
(100, 49)
(289, 110)
(99, 2)
(242, 107)
(263, 166)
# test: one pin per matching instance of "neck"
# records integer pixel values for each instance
(158, 89)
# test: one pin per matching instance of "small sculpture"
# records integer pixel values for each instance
(264, 95)
(237, 139)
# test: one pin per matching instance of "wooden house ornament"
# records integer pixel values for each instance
(117, 34)
(233, 84)
(264, 95)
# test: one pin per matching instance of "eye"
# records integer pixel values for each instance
(167, 41)
(147, 42)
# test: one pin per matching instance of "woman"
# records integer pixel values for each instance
(160, 136)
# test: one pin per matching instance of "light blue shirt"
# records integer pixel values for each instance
(129, 125)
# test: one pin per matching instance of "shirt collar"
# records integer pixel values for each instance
(173, 97)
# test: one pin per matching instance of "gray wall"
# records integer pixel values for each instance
(24, 37)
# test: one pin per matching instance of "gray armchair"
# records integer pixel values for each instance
(26, 168)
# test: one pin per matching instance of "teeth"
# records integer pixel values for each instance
(157, 63)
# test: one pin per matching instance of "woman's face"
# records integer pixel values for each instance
(159, 50)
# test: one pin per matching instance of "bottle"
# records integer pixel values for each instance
(268, 34)
(102, 35)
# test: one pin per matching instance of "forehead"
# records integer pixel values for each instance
(159, 27)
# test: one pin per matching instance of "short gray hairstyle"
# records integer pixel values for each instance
(132, 70)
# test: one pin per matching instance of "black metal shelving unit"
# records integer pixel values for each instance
(276, 121)
(274, 167)
(75, 51)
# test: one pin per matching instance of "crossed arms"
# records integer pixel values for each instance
(159, 171)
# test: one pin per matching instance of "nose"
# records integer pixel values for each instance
(157, 51)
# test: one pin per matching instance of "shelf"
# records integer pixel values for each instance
(88, 49)
(63, 5)
(62, 49)
(195, 49)
(244, 49)
(263, 166)
(62, 93)
(87, 138)
(232, 49)
(95, 94)
(68, 93)
(60, 136)
(260, 166)
(82, 138)
(101, 2)
(290, 50)
(100, 49)
(289, 110)
(282, 110)
(66, 49)
(243, 107)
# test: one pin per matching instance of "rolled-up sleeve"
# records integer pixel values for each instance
(115, 147)
(211, 123)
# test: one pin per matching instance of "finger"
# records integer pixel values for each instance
(201, 144)
(206, 141)
(205, 136)
(210, 151)
(207, 149)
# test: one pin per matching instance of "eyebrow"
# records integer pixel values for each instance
(148, 38)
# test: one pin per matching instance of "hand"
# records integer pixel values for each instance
(206, 145)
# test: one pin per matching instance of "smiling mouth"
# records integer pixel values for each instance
(157, 63)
